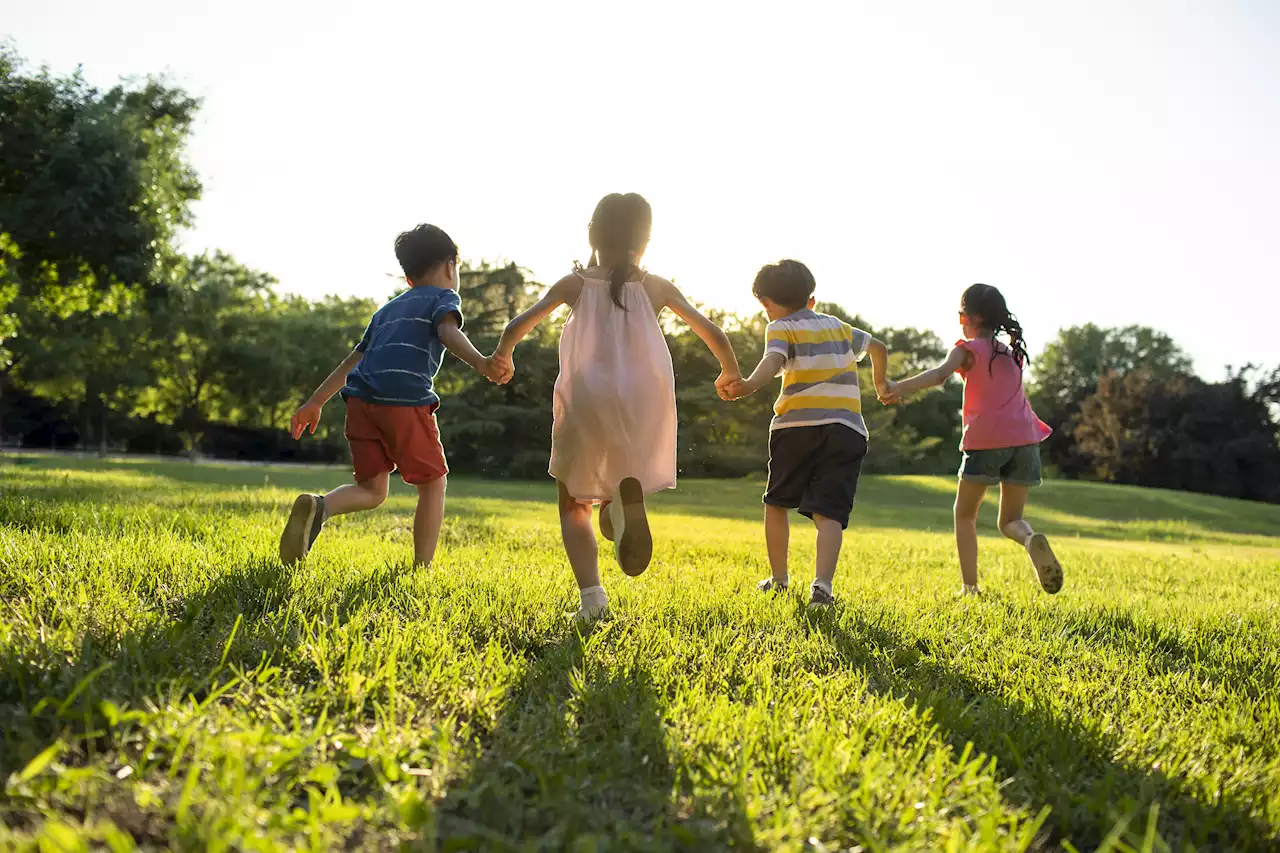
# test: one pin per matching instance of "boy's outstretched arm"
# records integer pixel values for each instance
(711, 334)
(765, 372)
(958, 358)
(456, 341)
(308, 415)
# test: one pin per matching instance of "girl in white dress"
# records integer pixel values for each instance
(614, 436)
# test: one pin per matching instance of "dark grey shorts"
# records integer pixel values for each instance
(815, 469)
(1017, 465)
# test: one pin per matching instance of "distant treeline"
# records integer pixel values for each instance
(112, 339)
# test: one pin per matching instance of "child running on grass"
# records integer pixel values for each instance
(613, 439)
(391, 405)
(818, 438)
(1002, 435)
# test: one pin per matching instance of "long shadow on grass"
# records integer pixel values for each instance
(578, 760)
(185, 652)
(1208, 656)
(1051, 761)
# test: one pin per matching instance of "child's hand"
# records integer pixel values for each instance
(493, 370)
(735, 390)
(505, 364)
(724, 380)
(307, 417)
(887, 392)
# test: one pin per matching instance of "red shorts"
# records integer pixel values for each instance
(386, 438)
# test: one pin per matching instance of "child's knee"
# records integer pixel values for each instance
(964, 512)
(377, 488)
(829, 525)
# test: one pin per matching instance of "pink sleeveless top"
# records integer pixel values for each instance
(996, 410)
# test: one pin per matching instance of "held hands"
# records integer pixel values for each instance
(887, 392)
(307, 417)
(730, 386)
(498, 368)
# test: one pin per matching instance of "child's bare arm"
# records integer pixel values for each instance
(711, 334)
(456, 341)
(520, 326)
(764, 373)
(308, 415)
(933, 377)
(879, 354)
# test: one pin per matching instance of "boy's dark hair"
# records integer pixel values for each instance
(788, 283)
(984, 302)
(620, 223)
(422, 248)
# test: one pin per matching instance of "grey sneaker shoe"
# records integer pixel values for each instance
(771, 585)
(819, 597)
(306, 519)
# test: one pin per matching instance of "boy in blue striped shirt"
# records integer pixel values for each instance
(818, 438)
(387, 383)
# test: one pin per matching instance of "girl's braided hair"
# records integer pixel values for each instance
(986, 302)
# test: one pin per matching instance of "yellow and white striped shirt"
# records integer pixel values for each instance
(820, 374)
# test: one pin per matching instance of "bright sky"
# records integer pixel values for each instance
(1098, 161)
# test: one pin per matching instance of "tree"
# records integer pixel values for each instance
(1182, 433)
(203, 326)
(1072, 365)
(93, 185)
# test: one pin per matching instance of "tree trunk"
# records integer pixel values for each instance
(102, 430)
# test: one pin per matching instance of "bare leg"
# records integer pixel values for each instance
(1013, 499)
(968, 502)
(427, 520)
(355, 497)
(830, 537)
(308, 514)
(777, 538)
(579, 539)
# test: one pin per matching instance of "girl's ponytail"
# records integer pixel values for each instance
(986, 302)
(618, 281)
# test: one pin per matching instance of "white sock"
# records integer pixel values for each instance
(969, 588)
(593, 597)
(786, 580)
(825, 586)
(1026, 543)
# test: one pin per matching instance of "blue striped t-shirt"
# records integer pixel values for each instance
(402, 349)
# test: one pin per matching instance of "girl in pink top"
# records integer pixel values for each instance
(1002, 435)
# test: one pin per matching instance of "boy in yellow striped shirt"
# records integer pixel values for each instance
(818, 438)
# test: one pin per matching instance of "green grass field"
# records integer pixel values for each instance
(164, 683)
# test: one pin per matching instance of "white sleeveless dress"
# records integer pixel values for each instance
(615, 400)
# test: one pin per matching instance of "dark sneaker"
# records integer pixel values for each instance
(819, 597)
(305, 522)
(771, 585)
(631, 526)
(1048, 569)
(606, 521)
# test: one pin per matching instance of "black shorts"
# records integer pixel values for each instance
(815, 469)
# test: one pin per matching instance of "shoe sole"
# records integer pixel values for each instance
(1048, 569)
(295, 542)
(635, 545)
